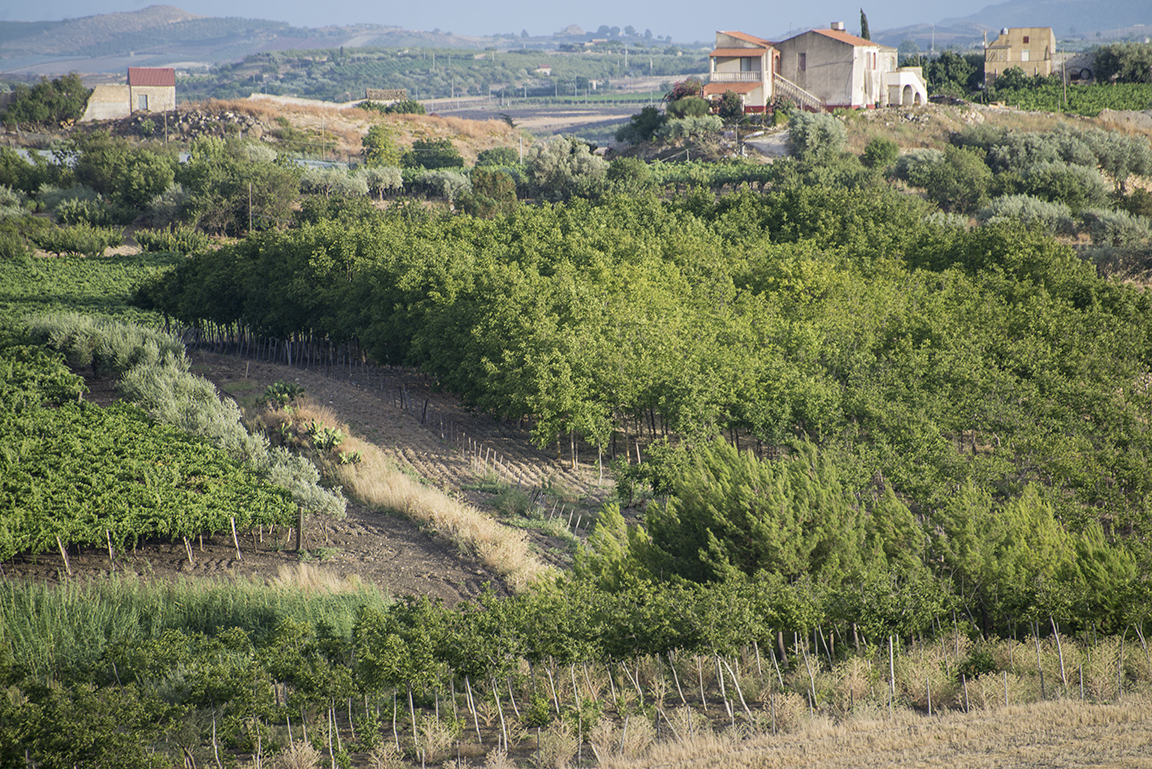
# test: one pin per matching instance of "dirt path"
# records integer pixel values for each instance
(453, 449)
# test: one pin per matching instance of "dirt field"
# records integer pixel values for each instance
(453, 449)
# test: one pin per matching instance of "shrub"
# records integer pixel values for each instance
(493, 192)
(381, 179)
(432, 154)
(1116, 228)
(175, 240)
(1078, 187)
(880, 153)
(642, 126)
(814, 137)
(446, 184)
(1138, 202)
(689, 106)
(960, 183)
(1053, 218)
(79, 239)
(690, 128)
(913, 165)
(498, 156)
(165, 208)
(50, 196)
(11, 202)
(630, 176)
(97, 213)
(561, 168)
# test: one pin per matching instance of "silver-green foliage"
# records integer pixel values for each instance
(560, 168)
(446, 184)
(1053, 218)
(333, 181)
(912, 165)
(815, 136)
(50, 196)
(166, 207)
(1117, 228)
(689, 127)
(154, 374)
(381, 179)
(11, 202)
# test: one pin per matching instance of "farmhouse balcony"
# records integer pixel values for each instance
(737, 77)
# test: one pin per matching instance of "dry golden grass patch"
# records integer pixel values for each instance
(1049, 734)
(376, 481)
(306, 578)
(348, 126)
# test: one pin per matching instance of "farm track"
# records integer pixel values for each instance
(431, 435)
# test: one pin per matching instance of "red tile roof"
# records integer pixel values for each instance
(748, 38)
(152, 76)
(740, 52)
(844, 37)
(714, 88)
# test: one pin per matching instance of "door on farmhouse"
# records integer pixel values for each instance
(142, 102)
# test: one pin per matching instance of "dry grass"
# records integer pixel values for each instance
(930, 126)
(1050, 734)
(348, 126)
(377, 482)
(307, 578)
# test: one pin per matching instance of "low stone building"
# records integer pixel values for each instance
(149, 89)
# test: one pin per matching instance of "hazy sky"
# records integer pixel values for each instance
(685, 21)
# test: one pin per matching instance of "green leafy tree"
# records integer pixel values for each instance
(498, 156)
(432, 154)
(380, 146)
(731, 107)
(1126, 62)
(865, 33)
(641, 126)
(61, 101)
(734, 514)
(960, 183)
(816, 137)
(233, 184)
(880, 153)
(493, 193)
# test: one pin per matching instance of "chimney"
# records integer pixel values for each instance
(838, 26)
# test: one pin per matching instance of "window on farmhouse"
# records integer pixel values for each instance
(803, 63)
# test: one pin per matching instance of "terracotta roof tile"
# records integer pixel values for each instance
(747, 38)
(739, 52)
(852, 40)
(714, 88)
(152, 76)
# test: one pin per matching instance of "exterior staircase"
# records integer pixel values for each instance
(803, 99)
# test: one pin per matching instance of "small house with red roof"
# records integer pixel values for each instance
(152, 89)
(149, 89)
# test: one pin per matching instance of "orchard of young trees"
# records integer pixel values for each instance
(840, 416)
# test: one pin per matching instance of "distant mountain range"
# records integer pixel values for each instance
(163, 35)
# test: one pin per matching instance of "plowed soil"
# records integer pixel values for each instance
(426, 432)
